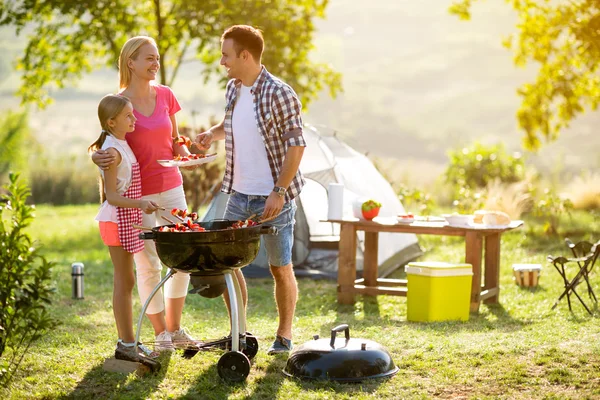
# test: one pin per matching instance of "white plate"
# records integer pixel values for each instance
(405, 220)
(173, 163)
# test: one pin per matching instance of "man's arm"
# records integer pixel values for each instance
(216, 132)
(291, 163)
(287, 109)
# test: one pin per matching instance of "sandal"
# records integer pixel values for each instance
(143, 356)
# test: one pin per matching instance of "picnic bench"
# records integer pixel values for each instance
(482, 248)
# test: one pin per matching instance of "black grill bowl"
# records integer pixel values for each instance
(210, 252)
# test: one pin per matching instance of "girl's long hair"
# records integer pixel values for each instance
(110, 106)
(130, 50)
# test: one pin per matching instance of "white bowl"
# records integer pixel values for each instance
(405, 220)
(458, 219)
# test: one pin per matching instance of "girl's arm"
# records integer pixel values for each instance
(110, 187)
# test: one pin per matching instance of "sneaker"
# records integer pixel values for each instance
(182, 340)
(163, 342)
(280, 345)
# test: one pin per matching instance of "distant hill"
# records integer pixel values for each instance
(417, 82)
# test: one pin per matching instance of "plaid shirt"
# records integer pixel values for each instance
(277, 113)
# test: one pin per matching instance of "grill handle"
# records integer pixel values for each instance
(339, 328)
(268, 230)
(147, 236)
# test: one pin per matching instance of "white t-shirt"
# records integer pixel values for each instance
(108, 212)
(251, 171)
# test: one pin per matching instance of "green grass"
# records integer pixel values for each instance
(520, 349)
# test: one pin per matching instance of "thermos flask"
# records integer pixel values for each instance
(77, 277)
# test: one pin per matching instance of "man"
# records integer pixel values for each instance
(262, 129)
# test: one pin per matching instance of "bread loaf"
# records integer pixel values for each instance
(496, 218)
(478, 219)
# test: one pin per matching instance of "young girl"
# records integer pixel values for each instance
(122, 207)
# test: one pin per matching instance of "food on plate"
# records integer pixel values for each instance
(488, 217)
(187, 160)
(370, 209)
(496, 218)
(183, 214)
(184, 141)
(188, 157)
(408, 218)
(478, 218)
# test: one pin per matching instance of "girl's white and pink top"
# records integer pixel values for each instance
(108, 212)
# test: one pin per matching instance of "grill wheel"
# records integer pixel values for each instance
(233, 366)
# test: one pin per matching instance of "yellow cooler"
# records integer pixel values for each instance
(438, 291)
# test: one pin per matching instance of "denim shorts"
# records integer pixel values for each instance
(279, 247)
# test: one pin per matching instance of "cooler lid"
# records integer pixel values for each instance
(436, 268)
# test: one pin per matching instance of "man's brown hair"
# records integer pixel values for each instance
(245, 37)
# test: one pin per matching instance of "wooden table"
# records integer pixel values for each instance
(481, 244)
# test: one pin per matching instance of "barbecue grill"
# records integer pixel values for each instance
(210, 257)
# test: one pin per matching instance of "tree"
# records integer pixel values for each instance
(71, 38)
(563, 37)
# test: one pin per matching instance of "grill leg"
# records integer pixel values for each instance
(233, 288)
(241, 310)
(170, 273)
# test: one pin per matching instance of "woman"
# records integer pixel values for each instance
(153, 139)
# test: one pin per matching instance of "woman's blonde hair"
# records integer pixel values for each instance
(130, 50)
(109, 108)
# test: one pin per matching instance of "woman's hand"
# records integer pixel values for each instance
(103, 159)
(148, 206)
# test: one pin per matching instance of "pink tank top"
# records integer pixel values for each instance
(152, 140)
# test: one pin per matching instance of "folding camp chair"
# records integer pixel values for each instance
(585, 249)
(584, 265)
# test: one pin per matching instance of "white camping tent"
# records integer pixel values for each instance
(327, 160)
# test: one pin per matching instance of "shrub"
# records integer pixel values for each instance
(584, 192)
(416, 200)
(64, 180)
(512, 198)
(471, 170)
(25, 276)
(550, 207)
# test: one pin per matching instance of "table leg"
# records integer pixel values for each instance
(370, 258)
(473, 248)
(492, 266)
(346, 264)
